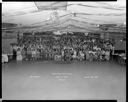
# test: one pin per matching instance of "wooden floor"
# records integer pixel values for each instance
(49, 81)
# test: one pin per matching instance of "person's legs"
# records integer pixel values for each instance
(84, 57)
(29, 57)
(14, 57)
(64, 58)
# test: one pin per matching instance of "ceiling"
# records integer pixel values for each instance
(64, 16)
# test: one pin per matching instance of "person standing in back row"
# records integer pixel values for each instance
(19, 56)
(14, 53)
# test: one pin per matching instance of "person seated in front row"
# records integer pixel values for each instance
(81, 55)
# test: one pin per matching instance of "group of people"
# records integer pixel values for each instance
(63, 48)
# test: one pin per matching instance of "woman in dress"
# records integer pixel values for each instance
(107, 55)
(34, 54)
(103, 54)
(14, 52)
(74, 54)
(25, 53)
(99, 54)
(87, 55)
(62, 54)
(19, 56)
(90, 56)
(29, 53)
(81, 55)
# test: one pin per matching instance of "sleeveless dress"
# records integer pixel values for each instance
(19, 56)
(107, 55)
(87, 55)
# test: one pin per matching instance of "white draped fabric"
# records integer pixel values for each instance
(63, 16)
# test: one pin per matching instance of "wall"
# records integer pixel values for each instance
(120, 45)
(6, 48)
(8, 38)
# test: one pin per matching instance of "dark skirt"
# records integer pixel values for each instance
(14, 55)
